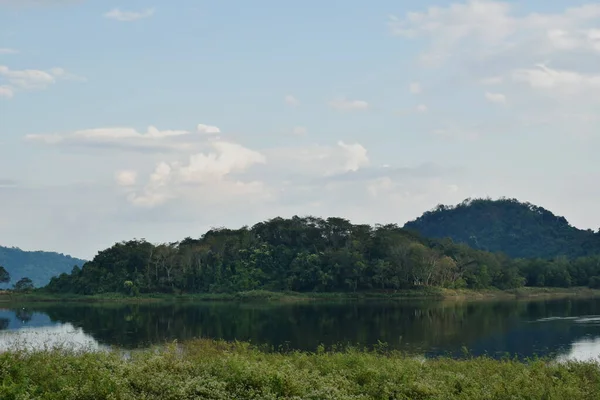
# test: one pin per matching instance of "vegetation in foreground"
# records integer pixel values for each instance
(219, 370)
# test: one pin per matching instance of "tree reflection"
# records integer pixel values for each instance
(24, 315)
(416, 327)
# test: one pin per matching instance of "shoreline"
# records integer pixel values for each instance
(526, 293)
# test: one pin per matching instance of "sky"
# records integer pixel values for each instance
(162, 119)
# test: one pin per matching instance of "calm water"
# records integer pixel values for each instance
(567, 329)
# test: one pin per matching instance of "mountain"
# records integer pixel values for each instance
(520, 230)
(40, 266)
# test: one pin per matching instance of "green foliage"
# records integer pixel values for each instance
(4, 275)
(312, 255)
(24, 285)
(594, 282)
(220, 370)
(298, 254)
(40, 266)
(521, 230)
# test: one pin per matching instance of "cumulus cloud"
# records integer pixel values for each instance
(343, 104)
(356, 156)
(230, 173)
(291, 100)
(128, 16)
(497, 98)
(202, 173)
(422, 108)
(207, 129)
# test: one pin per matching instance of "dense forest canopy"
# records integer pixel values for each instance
(517, 229)
(39, 266)
(311, 254)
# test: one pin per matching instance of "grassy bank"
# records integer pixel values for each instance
(290, 297)
(217, 370)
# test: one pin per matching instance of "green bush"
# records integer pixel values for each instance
(219, 370)
(594, 282)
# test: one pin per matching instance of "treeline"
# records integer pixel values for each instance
(311, 254)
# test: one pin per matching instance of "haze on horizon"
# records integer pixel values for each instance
(161, 119)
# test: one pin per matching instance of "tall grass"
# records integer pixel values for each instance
(217, 370)
(290, 297)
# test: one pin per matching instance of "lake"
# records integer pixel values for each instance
(565, 329)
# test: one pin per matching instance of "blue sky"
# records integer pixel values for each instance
(373, 111)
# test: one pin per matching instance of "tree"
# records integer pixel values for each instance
(4, 275)
(24, 285)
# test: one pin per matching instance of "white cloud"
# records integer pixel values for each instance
(343, 104)
(543, 77)
(128, 16)
(227, 158)
(32, 79)
(316, 161)
(415, 88)
(28, 78)
(356, 156)
(497, 98)
(484, 28)
(5, 50)
(208, 129)
(123, 137)
(6, 92)
(299, 130)
(291, 100)
(126, 178)
(204, 173)
(422, 108)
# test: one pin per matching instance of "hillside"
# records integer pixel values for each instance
(40, 266)
(298, 254)
(520, 230)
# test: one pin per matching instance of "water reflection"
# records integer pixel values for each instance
(64, 336)
(562, 328)
(583, 350)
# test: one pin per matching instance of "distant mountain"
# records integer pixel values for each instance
(517, 229)
(40, 266)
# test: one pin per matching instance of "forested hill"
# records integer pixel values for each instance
(311, 254)
(507, 225)
(39, 266)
